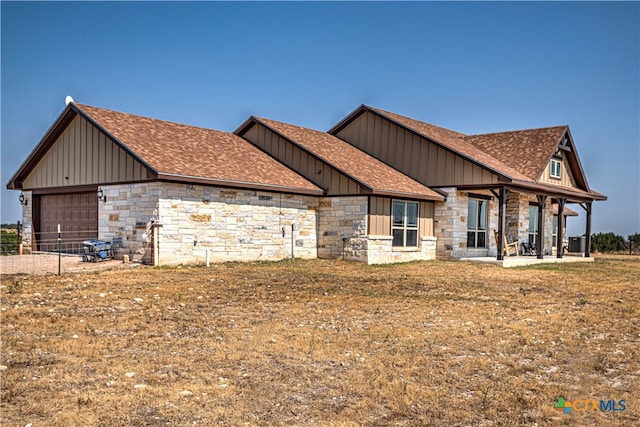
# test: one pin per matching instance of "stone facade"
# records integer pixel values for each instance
(234, 225)
(27, 223)
(342, 225)
(127, 214)
(181, 223)
(450, 225)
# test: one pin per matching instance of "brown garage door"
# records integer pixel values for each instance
(77, 215)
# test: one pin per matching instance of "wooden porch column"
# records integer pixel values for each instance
(542, 200)
(587, 249)
(559, 234)
(502, 220)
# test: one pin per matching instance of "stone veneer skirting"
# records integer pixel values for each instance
(167, 223)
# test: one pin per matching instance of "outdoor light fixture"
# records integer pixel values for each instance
(22, 199)
(101, 196)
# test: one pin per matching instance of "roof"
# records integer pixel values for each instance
(182, 152)
(452, 140)
(379, 177)
(518, 156)
(528, 151)
(567, 211)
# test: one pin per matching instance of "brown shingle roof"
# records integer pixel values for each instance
(527, 151)
(187, 151)
(374, 174)
(455, 141)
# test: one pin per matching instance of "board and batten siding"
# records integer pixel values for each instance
(84, 155)
(380, 217)
(307, 165)
(415, 156)
(566, 177)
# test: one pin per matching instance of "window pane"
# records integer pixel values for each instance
(555, 224)
(533, 219)
(482, 215)
(472, 215)
(482, 239)
(558, 169)
(471, 239)
(398, 236)
(412, 214)
(412, 237)
(398, 214)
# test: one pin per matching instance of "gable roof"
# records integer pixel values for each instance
(525, 150)
(451, 140)
(518, 156)
(187, 153)
(351, 161)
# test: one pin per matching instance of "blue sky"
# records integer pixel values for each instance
(471, 67)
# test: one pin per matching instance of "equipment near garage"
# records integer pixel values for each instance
(96, 250)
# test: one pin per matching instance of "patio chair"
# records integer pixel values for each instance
(508, 247)
(528, 248)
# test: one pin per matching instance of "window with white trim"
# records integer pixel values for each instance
(477, 223)
(404, 225)
(533, 224)
(555, 169)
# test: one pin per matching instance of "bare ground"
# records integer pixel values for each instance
(322, 343)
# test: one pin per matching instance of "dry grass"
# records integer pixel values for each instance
(322, 343)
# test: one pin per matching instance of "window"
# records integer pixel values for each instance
(555, 171)
(404, 227)
(533, 224)
(477, 224)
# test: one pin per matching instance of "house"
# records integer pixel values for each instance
(503, 181)
(377, 188)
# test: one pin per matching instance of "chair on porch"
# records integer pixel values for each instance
(508, 247)
(528, 248)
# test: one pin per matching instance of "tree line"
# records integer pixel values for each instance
(611, 242)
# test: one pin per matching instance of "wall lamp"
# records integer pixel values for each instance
(23, 200)
(101, 195)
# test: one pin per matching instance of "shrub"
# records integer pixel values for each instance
(607, 242)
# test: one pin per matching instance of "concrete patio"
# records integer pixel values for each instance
(521, 261)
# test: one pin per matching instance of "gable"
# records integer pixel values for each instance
(316, 170)
(566, 175)
(83, 155)
(414, 155)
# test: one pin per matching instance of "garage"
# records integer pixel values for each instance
(77, 214)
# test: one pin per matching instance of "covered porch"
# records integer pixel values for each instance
(531, 222)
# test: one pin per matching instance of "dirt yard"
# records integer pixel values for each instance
(46, 263)
(323, 343)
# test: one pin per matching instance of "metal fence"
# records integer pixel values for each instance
(46, 253)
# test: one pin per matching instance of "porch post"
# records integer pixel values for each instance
(502, 212)
(542, 200)
(560, 235)
(587, 249)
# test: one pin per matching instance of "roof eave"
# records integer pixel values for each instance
(240, 184)
(407, 195)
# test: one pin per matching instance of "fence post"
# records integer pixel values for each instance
(59, 243)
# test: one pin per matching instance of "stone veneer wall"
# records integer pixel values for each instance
(234, 225)
(27, 223)
(127, 214)
(450, 225)
(243, 225)
(342, 223)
